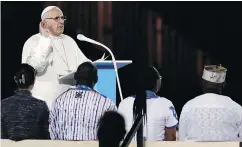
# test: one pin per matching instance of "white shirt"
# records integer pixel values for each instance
(51, 57)
(161, 114)
(211, 117)
(75, 114)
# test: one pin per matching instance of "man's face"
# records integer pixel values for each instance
(54, 21)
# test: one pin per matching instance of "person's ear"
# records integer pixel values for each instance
(224, 84)
(201, 83)
(75, 76)
(44, 24)
(158, 85)
(96, 79)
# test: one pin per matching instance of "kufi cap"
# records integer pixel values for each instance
(214, 73)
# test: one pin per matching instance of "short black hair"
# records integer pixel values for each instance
(111, 128)
(25, 77)
(151, 76)
(86, 72)
(210, 87)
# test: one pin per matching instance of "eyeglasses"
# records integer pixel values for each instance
(57, 18)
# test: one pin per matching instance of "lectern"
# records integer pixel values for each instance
(106, 84)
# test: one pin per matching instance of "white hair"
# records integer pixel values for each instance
(48, 9)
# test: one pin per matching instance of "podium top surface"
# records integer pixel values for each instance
(109, 64)
(99, 65)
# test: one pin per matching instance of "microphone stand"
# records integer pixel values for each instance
(83, 38)
(137, 127)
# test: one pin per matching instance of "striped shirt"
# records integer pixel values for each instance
(75, 114)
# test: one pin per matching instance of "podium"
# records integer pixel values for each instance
(106, 84)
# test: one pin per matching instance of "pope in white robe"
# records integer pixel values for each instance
(52, 54)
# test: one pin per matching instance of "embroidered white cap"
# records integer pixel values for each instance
(214, 73)
(48, 9)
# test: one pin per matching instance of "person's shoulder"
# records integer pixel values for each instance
(6, 100)
(34, 37)
(163, 100)
(190, 103)
(127, 100)
(101, 96)
(126, 104)
(197, 99)
(32, 40)
(62, 95)
(233, 104)
(38, 102)
(29, 99)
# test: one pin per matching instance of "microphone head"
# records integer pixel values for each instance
(81, 37)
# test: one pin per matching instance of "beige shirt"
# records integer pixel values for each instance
(211, 117)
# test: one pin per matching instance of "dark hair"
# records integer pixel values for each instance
(210, 87)
(86, 74)
(151, 76)
(111, 129)
(25, 77)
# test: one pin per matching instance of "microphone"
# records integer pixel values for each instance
(84, 38)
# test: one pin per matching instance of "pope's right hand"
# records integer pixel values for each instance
(43, 30)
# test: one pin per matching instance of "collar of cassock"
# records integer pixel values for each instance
(56, 37)
(149, 95)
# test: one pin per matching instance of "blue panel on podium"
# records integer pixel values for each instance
(106, 84)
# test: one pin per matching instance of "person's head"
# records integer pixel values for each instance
(152, 79)
(25, 77)
(213, 79)
(86, 74)
(111, 129)
(53, 19)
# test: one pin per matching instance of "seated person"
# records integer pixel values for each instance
(211, 116)
(23, 116)
(111, 129)
(161, 116)
(76, 112)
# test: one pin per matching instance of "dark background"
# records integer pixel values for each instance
(177, 37)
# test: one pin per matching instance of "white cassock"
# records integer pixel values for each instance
(51, 57)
